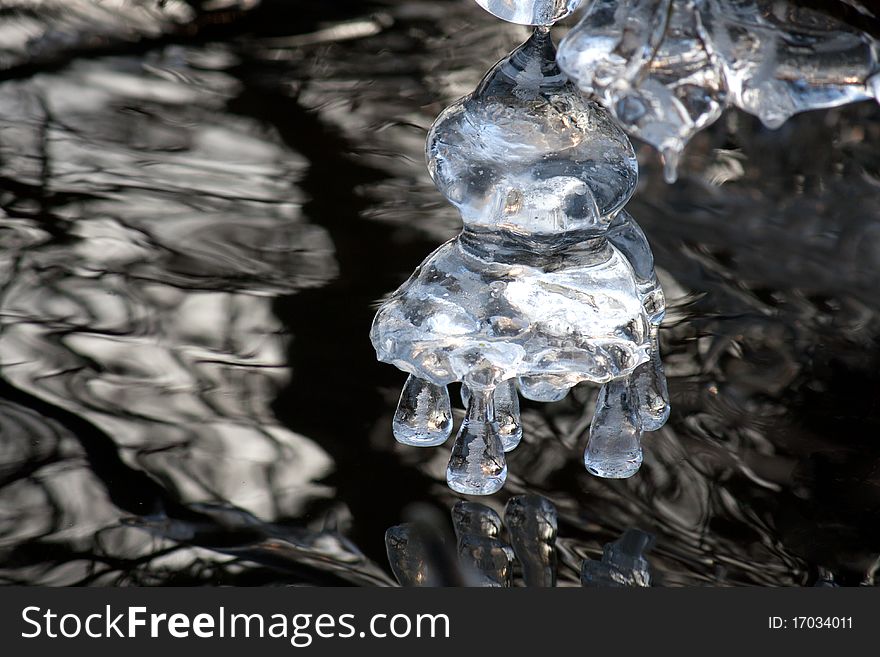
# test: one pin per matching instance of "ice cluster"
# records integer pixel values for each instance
(550, 283)
(668, 68)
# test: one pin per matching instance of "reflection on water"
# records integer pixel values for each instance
(194, 235)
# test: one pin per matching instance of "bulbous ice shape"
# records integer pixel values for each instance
(550, 283)
(544, 387)
(530, 12)
(506, 403)
(486, 559)
(424, 414)
(527, 153)
(623, 562)
(477, 465)
(614, 449)
(484, 312)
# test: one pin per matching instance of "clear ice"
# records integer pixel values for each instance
(623, 562)
(550, 283)
(424, 414)
(668, 68)
(530, 12)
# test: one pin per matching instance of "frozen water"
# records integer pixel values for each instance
(530, 287)
(649, 64)
(544, 387)
(530, 12)
(424, 414)
(668, 68)
(649, 387)
(527, 153)
(531, 522)
(614, 448)
(486, 559)
(780, 59)
(549, 284)
(623, 562)
(477, 465)
(506, 413)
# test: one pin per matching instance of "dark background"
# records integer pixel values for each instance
(198, 213)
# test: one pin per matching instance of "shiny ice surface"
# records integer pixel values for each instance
(667, 69)
(526, 152)
(530, 12)
(538, 287)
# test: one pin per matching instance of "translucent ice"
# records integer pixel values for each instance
(668, 68)
(506, 404)
(614, 448)
(648, 62)
(530, 12)
(650, 390)
(544, 387)
(477, 465)
(623, 562)
(780, 59)
(531, 522)
(549, 283)
(424, 414)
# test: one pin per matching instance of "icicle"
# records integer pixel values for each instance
(670, 157)
(424, 414)
(477, 465)
(649, 382)
(543, 388)
(506, 403)
(614, 449)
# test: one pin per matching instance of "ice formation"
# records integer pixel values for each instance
(668, 68)
(549, 284)
(530, 12)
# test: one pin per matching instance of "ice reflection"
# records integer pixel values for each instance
(521, 552)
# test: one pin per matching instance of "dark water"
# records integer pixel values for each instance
(197, 216)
